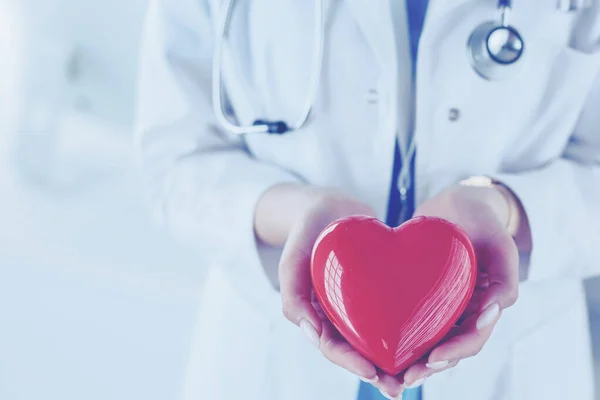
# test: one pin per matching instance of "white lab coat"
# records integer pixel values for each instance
(538, 131)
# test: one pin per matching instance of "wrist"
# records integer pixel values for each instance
(517, 223)
(514, 208)
(284, 205)
(276, 211)
(499, 198)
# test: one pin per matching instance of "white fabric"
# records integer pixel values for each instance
(404, 65)
(537, 131)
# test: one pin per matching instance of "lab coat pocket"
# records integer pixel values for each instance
(555, 105)
(526, 120)
(553, 361)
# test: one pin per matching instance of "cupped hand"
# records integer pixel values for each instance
(298, 299)
(483, 213)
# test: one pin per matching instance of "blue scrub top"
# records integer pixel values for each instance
(416, 10)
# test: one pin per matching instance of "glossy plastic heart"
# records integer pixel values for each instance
(393, 293)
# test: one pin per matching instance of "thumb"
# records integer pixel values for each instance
(501, 261)
(295, 279)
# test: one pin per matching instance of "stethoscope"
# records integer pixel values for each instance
(264, 126)
(494, 50)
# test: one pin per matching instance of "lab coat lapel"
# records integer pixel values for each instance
(375, 21)
(374, 18)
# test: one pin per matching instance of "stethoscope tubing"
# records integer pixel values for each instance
(261, 126)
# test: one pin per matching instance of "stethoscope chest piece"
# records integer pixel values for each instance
(495, 48)
(495, 51)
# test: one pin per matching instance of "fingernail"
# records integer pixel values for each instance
(310, 332)
(437, 365)
(488, 316)
(367, 380)
(416, 383)
(387, 396)
(483, 284)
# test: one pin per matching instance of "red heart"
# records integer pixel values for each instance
(393, 293)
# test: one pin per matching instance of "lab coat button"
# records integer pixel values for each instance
(372, 96)
(454, 114)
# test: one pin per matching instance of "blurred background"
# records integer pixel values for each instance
(96, 302)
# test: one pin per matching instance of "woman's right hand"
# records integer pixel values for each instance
(299, 303)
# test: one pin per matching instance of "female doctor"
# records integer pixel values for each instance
(262, 121)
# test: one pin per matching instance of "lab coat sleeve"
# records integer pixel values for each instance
(202, 184)
(562, 202)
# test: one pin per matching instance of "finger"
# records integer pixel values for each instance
(417, 373)
(389, 386)
(501, 259)
(483, 281)
(295, 280)
(454, 331)
(337, 350)
(474, 305)
(470, 338)
(317, 306)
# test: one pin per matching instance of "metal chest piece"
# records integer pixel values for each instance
(494, 50)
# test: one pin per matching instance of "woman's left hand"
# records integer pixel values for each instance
(483, 213)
